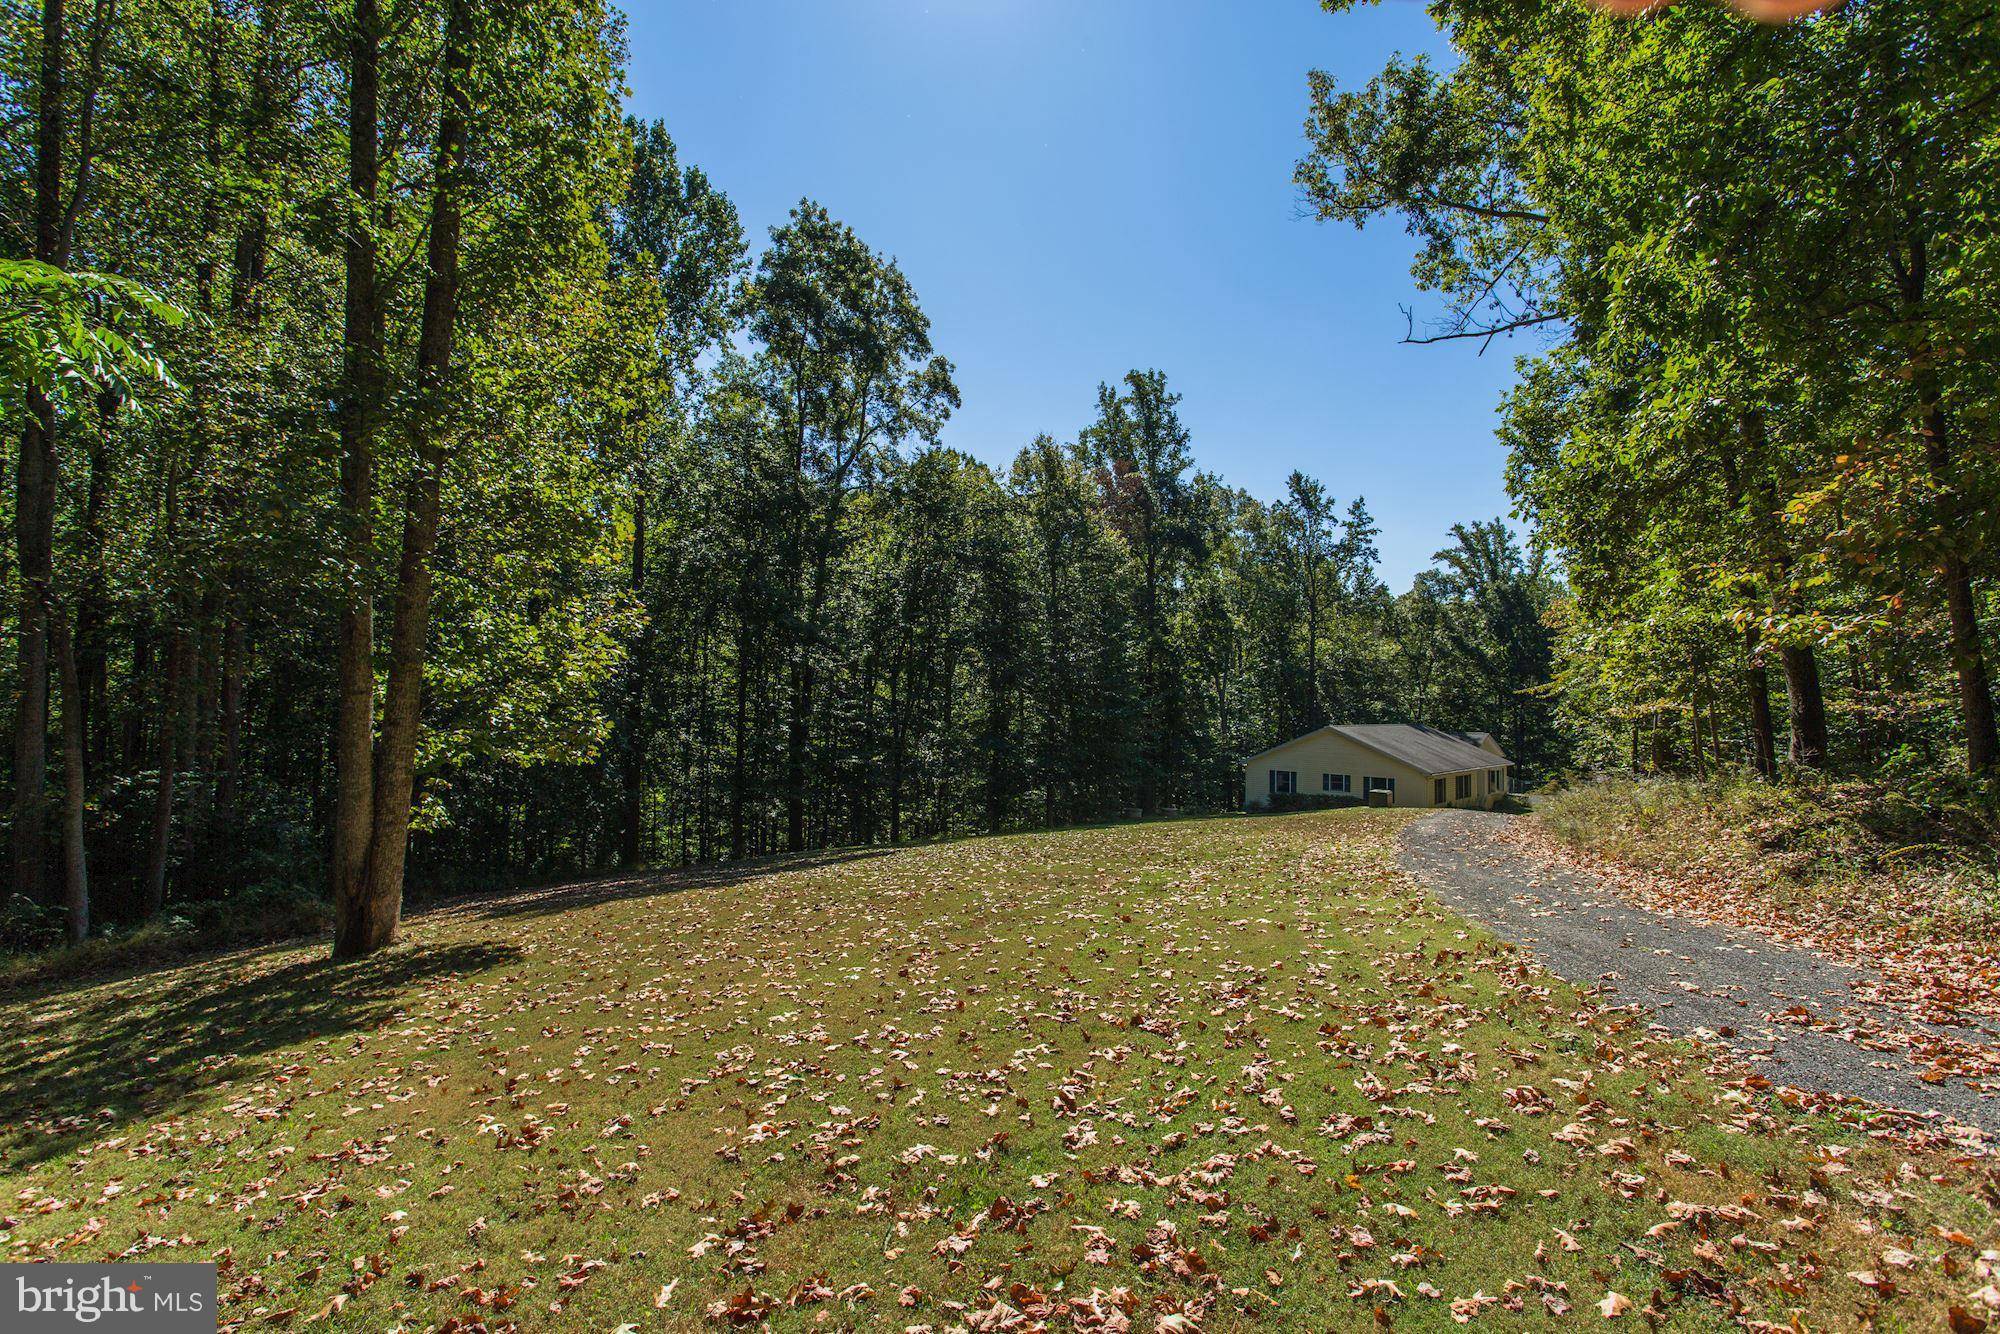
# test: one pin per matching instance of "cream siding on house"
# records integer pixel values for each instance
(1318, 753)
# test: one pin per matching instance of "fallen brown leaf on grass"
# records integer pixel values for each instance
(1236, 1072)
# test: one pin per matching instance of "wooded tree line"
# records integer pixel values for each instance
(1759, 264)
(945, 648)
(506, 514)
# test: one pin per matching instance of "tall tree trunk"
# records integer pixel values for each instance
(92, 617)
(996, 728)
(160, 844)
(1055, 760)
(76, 875)
(132, 740)
(703, 777)
(1314, 716)
(1968, 664)
(362, 371)
(798, 727)
(206, 717)
(248, 265)
(1757, 683)
(1807, 706)
(1518, 726)
(1968, 659)
(739, 777)
(35, 489)
(898, 725)
(798, 735)
(1153, 750)
(181, 726)
(374, 917)
(942, 790)
(228, 781)
(634, 750)
(34, 533)
(167, 750)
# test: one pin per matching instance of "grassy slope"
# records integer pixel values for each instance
(1244, 1053)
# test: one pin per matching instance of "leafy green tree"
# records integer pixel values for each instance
(68, 341)
(1738, 236)
(1141, 451)
(1497, 645)
(670, 560)
(76, 338)
(850, 375)
(524, 130)
(677, 240)
(1078, 628)
(1312, 529)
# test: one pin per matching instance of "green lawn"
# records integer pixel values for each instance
(1236, 1069)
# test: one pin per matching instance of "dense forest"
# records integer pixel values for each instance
(1758, 272)
(422, 477)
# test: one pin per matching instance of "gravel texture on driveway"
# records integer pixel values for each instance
(1699, 980)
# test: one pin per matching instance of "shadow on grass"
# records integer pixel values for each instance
(647, 883)
(145, 1047)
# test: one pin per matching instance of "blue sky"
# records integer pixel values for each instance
(1078, 187)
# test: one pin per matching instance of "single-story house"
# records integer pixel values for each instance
(1416, 765)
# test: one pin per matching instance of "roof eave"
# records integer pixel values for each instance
(1487, 760)
(1272, 750)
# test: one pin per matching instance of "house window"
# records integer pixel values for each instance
(1492, 780)
(1336, 782)
(1463, 786)
(1437, 796)
(1373, 784)
(1284, 782)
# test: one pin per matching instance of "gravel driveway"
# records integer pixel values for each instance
(1698, 979)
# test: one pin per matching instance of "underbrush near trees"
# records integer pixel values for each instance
(1877, 878)
(1903, 859)
(31, 951)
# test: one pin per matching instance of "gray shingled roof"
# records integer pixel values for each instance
(1428, 750)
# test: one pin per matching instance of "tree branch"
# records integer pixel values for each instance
(1488, 333)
